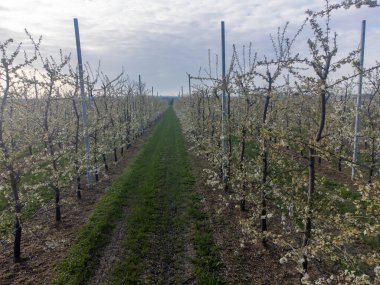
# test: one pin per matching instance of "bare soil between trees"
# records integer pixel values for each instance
(248, 263)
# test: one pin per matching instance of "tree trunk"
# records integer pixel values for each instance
(373, 160)
(242, 200)
(309, 205)
(105, 162)
(242, 156)
(264, 159)
(340, 157)
(79, 194)
(96, 174)
(243, 140)
(96, 170)
(17, 241)
(322, 121)
(264, 226)
(79, 187)
(115, 154)
(57, 206)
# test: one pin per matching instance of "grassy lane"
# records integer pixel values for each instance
(166, 237)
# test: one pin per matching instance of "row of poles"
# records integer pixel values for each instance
(224, 139)
(84, 107)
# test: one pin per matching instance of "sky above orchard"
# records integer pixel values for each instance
(164, 40)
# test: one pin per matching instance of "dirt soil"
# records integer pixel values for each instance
(248, 264)
(252, 263)
(111, 254)
(328, 169)
(45, 243)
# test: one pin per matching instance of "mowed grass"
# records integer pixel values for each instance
(164, 216)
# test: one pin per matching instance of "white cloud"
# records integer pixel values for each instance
(162, 40)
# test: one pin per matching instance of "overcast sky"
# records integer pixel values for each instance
(162, 40)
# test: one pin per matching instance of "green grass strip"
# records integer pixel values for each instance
(163, 209)
(164, 215)
(79, 264)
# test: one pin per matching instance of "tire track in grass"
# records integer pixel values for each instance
(167, 240)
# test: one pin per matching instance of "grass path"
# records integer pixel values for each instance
(165, 235)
